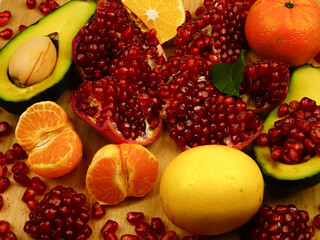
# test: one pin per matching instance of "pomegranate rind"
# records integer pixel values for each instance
(304, 83)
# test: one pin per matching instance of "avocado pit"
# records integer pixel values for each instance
(33, 62)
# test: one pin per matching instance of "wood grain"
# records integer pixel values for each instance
(16, 212)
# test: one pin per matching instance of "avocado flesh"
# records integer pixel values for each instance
(305, 82)
(66, 21)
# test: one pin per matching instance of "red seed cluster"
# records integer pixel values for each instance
(295, 138)
(62, 213)
(280, 222)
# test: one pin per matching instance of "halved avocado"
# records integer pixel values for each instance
(305, 82)
(65, 22)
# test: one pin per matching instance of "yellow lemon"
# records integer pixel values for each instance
(212, 189)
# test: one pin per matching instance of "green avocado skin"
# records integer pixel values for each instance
(305, 82)
(66, 21)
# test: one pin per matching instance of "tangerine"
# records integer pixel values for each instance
(287, 30)
(120, 170)
(54, 148)
(162, 15)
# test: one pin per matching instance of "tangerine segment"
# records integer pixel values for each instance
(122, 170)
(142, 168)
(162, 15)
(38, 122)
(57, 155)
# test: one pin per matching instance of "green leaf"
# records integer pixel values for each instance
(227, 77)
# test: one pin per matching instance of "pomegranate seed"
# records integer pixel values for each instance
(316, 221)
(135, 217)
(21, 153)
(20, 167)
(22, 27)
(151, 236)
(4, 17)
(142, 228)
(22, 179)
(1, 202)
(169, 235)
(294, 105)
(109, 226)
(98, 211)
(109, 236)
(9, 236)
(2, 158)
(189, 238)
(31, 4)
(5, 128)
(283, 109)
(6, 33)
(53, 4)
(129, 237)
(262, 139)
(38, 185)
(157, 225)
(44, 8)
(29, 194)
(32, 204)
(4, 184)
(3, 170)
(4, 227)
(10, 156)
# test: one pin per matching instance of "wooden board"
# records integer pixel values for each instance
(16, 212)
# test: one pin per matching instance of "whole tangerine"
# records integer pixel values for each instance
(211, 189)
(287, 30)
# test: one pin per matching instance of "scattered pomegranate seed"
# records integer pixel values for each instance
(316, 221)
(142, 228)
(32, 204)
(29, 194)
(44, 8)
(1, 202)
(31, 4)
(22, 27)
(10, 156)
(283, 109)
(4, 184)
(22, 179)
(109, 236)
(53, 4)
(5, 128)
(109, 226)
(98, 211)
(21, 153)
(135, 217)
(3, 170)
(157, 225)
(9, 236)
(169, 235)
(2, 158)
(20, 167)
(38, 185)
(151, 236)
(4, 227)
(129, 237)
(4, 17)
(6, 33)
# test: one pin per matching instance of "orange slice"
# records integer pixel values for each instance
(121, 170)
(162, 15)
(50, 139)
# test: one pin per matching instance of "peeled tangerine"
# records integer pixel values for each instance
(211, 189)
(118, 171)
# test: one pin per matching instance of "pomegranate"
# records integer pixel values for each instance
(265, 84)
(296, 137)
(62, 213)
(217, 33)
(197, 114)
(280, 222)
(117, 61)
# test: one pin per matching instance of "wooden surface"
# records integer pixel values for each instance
(16, 212)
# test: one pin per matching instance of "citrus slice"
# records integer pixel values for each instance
(163, 15)
(54, 148)
(121, 170)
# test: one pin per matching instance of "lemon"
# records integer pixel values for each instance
(212, 189)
